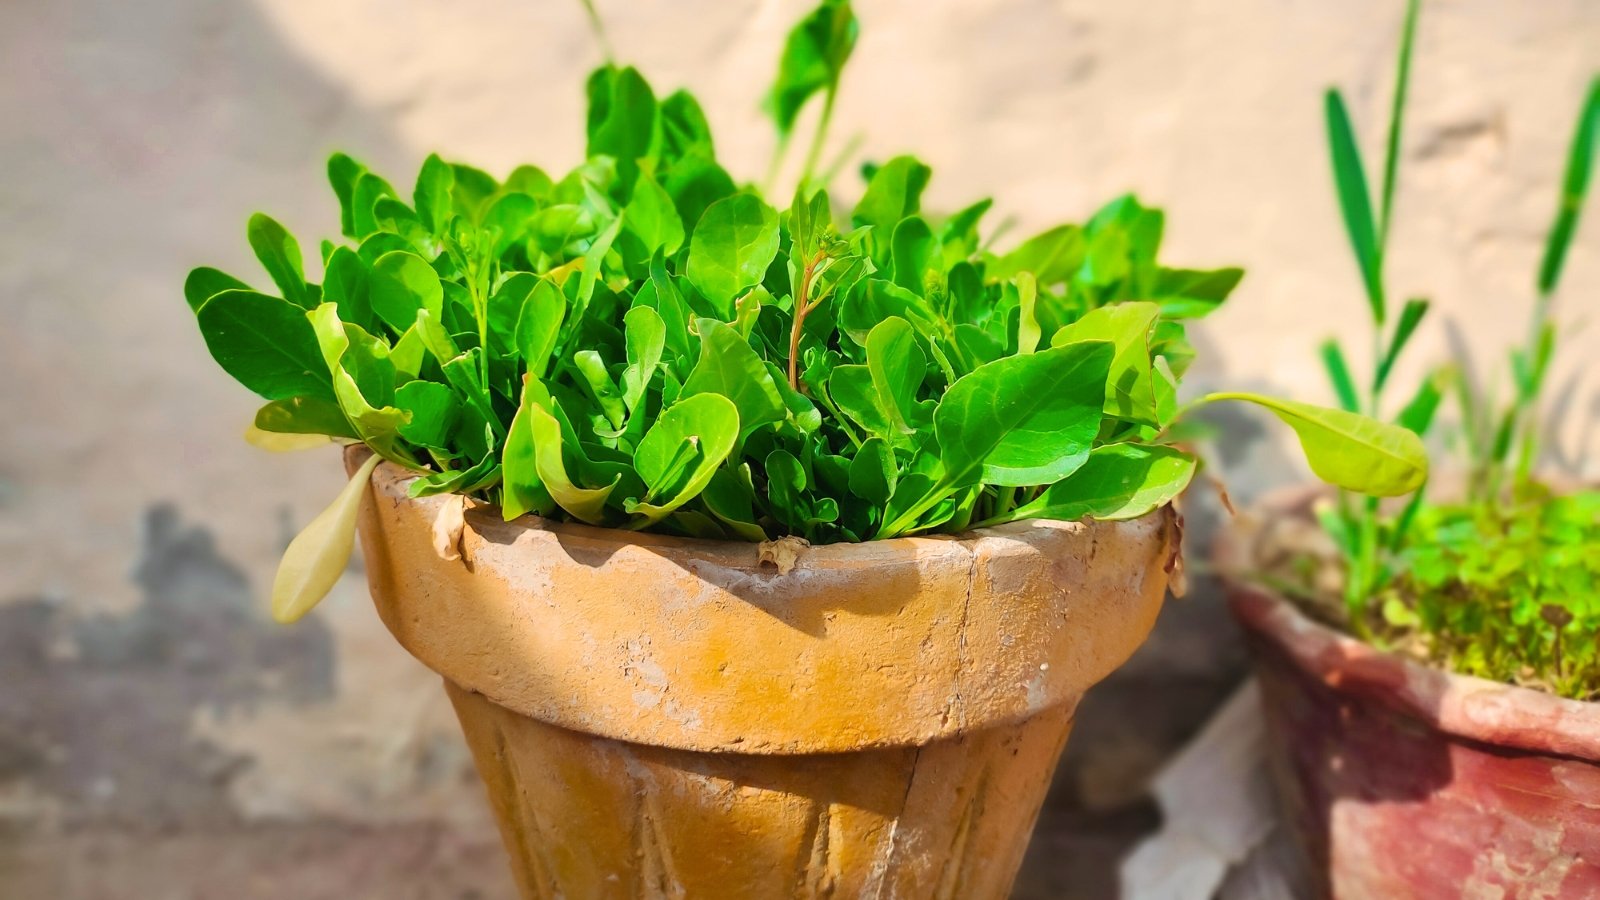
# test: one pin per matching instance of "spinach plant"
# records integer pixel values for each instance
(645, 343)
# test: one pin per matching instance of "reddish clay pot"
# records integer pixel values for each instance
(663, 717)
(1405, 781)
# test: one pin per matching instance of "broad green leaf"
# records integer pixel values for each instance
(645, 333)
(539, 325)
(1355, 201)
(898, 367)
(695, 184)
(280, 255)
(1574, 185)
(1051, 256)
(304, 415)
(402, 283)
(205, 282)
(377, 425)
(1347, 450)
(851, 390)
(1417, 416)
(728, 366)
(266, 344)
(602, 390)
(346, 285)
(728, 497)
(706, 424)
(813, 58)
(622, 118)
(434, 410)
(1192, 293)
(911, 253)
(873, 473)
(1130, 389)
(318, 555)
(732, 247)
(1024, 420)
(651, 219)
(684, 129)
(1117, 481)
(432, 195)
(343, 172)
(894, 192)
(522, 490)
(369, 189)
(584, 504)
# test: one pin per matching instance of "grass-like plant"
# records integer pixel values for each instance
(646, 343)
(1500, 581)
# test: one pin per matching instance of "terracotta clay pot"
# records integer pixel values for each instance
(663, 717)
(1401, 780)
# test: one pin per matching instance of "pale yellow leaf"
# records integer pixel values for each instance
(318, 555)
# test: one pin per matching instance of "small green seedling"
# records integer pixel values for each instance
(1502, 583)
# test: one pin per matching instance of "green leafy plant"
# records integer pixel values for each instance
(642, 343)
(1500, 582)
(1366, 537)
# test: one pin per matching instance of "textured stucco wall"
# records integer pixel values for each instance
(159, 738)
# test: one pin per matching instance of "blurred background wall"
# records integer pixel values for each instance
(160, 738)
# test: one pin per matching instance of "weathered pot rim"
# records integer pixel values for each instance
(1461, 706)
(698, 645)
(733, 554)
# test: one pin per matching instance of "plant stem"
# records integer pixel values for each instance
(821, 133)
(801, 309)
(599, 28)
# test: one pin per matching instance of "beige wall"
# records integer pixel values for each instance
(137, 137)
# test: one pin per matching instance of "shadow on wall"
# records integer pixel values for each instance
(140, 137)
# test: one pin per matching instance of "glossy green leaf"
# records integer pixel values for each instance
(266, 344)
(539, 326)
(1117, 481)
(894, 193)
(1130, 386)
(651, 219)
(584, 504)
(728, 366)
(432, 196)
(434, 411)
(813, 58)
(402, 283)
(1347, 450)
(1024, 420)
(205, 282)
(280, 255)
(304, 415)
(732, 247)
(707, 425)
(646, 336)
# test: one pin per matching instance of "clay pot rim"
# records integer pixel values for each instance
(745, 555)
(1462, 706)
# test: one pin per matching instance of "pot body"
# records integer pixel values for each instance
(1401, 780)
(663, 717)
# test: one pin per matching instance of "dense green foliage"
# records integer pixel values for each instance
(1499, 584)
(645, 343)
(1507, 590)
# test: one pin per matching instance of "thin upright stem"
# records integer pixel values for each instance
(802, 308)
(817, 139)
